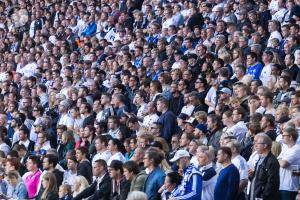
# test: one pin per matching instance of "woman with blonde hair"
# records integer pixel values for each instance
(52, 98)
(49, 183)
(80, 184)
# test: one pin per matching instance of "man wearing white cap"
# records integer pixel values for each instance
(191, 184)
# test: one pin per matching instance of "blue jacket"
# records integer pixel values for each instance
(90, 30)
(191, 185)
(255, 70)
(227, 185)
(19, 191)
(153, 182)
(168, 120)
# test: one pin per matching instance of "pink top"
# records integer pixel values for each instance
(32, 181)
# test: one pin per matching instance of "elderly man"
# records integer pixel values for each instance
(265, 176)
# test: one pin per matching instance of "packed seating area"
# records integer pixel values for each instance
(150, 99)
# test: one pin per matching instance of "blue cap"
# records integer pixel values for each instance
(202, 127)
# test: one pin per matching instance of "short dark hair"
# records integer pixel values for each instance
(270, 118)
(175, 178)
(131, 166)
(227, 151)
(102, 163)
(84, 151)
(117, 165)
(52, 159)
(34, 159)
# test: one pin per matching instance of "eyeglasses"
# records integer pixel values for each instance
(259, 143)
(283, 135)
(34, 110)
(145, 158)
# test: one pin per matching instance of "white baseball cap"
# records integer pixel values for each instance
(180, 154)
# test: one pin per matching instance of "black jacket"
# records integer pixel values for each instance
(93, 192)
(85, 169)
(267, 179)
(124, 190)
(30, 146)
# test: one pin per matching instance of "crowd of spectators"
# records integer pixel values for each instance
(150, 99)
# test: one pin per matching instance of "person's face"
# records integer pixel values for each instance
(9, 167)
(12, 181)
(112, 172)
(221, 157)
(71, 164)
(30, 165)
(202, 158)
(128, 175)
(263, 123)
(259, 145)
(97, 169)
(210, 124)
(41, 138)
(45, 183)
(263, 101)
(174, 143)
(147, 161)
(183, 140)
(46, 165)
(79, 156)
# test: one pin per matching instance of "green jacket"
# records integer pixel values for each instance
(137, 183)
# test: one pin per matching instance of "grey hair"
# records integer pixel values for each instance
(266, 139)
(137, 195)
(235, 144)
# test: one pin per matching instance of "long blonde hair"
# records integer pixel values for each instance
(52, 185)
(83, 184)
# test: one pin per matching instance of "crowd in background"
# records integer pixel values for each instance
(150, 99)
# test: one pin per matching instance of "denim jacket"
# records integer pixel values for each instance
(154, 181)
(18, 192)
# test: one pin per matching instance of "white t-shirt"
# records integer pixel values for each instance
(117, 156)
(66, 120)
(287, 180)
(211, 96)
(104, 156)
(273, 35)
(168, 23)
(265, 74)
(29, 69)
(241, 164)
(188, 109)
(5, 148)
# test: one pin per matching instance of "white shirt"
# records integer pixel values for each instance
(150, 119)
(117, 156)
(69, 178)
(104, 156)
(211, 96)
(66, 120)
(241, 165)
(274, 34)
(29, 69)
(239, 130)
(279, 15)
(208, 186)
(287, 180)
(168, 23)
(141, 110)
(188, 109)
(5, 148)
(265, 74)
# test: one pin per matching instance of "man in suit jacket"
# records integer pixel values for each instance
(101, 187)
(24, 139)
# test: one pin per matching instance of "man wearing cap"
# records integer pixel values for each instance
(65, 118)
(191, 184)
(224, 95)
